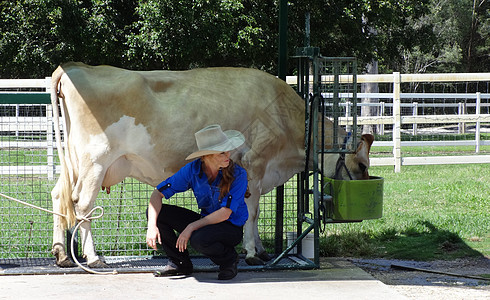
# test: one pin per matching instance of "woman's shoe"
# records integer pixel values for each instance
(229, 272)
(172, 269)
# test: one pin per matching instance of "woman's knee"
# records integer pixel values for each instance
(199, 241)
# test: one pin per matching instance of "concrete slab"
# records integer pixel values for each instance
(337, 279)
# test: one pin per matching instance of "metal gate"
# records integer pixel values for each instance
(321, 82)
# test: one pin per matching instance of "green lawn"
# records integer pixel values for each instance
(429, 212)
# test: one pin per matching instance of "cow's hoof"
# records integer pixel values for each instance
(98, 264)
(254, 261)
(264, 256)
(66, 263)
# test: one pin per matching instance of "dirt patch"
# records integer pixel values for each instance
(426, 285)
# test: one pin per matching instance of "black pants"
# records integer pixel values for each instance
(216, 241)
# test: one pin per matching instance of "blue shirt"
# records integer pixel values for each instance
(207, 195)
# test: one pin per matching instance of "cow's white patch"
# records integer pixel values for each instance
(125, 136)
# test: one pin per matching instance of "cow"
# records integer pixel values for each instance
(121, 123)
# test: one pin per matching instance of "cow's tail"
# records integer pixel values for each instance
(66, 204)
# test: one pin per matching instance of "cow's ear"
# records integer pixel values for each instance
(368, 138)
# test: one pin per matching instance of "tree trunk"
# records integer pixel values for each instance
(367, 111)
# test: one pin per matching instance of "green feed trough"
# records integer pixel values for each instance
(355, 200)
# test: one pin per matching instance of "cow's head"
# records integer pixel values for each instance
(358, 163)
(354, 165)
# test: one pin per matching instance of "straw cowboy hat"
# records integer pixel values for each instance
(212, 140)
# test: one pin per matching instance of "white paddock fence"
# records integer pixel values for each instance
(398, 102)
(19, 95)
(393, 109)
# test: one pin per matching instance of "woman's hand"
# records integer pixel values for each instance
(184, 237)
(218, 216)
(154, 207)
(153, 236)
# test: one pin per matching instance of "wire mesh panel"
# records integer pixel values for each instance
(443, 137)
(337, 87)
(122, 230)
(25, 166)
(268, 215)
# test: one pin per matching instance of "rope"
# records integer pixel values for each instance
(31, 205)
(86, 218)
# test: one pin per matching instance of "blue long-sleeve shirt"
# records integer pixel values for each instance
(207, 195)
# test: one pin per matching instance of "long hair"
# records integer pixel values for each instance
(227, 180)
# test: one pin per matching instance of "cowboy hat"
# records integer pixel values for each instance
(212, 140)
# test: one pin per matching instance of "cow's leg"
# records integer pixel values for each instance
(259, 247)
(88, 247)
(251, 228)
(58, 249)
(86, 192)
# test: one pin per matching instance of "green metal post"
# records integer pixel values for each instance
(335, 104)
(283, 39)
(282, 67)
(316, 138)
(354, 101)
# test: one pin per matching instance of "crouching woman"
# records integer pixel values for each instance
(220, 187)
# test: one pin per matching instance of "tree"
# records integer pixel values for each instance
(29, 36)
(411, 35)
(38, 35)
(346, 28)
(459, 42)
(185, 34)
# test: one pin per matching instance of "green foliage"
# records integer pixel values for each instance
(406, 36)
(460, 38)
(194, 34)
(38, 35)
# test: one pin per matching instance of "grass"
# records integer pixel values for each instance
(23, 157)
(430, 137)
(429, 212)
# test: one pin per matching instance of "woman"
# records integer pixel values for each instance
(219, 186)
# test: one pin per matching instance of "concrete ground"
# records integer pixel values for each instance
(337, 279)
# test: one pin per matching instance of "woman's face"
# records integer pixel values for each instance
(218, 161)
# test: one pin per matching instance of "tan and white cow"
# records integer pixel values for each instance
(121, 123)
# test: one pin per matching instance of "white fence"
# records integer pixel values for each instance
(393, 101)
(31, 124)
(396, 120)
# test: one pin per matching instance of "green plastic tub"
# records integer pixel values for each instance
(355, 200)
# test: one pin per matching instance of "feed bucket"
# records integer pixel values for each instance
(355, 200)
